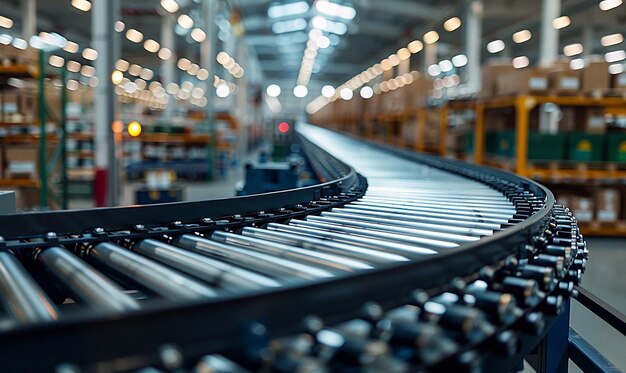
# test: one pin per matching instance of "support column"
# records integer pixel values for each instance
(430, 55)
(207, 61)
(404, 66)
(168, 66)
(29, 17)
(473, 42)
(243, 107)
(588, 39)
(103, 16)
(549, 43)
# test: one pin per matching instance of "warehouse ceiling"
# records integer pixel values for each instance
(375, 29)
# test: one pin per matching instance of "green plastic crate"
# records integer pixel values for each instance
(585, 146)
(546, 147)
(505, 144)
(467, 142)
(491, 142)
(616, 147)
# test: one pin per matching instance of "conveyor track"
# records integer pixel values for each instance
(440, 265)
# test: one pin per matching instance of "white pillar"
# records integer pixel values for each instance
(207, 61)
(473, 42)
(103, 16)
(404, 66)
(588, 39)
(549, 42)
(29, 17)
(168, 66)
(430, 55)
(242, 107)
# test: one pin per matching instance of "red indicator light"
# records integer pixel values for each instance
(283, 127)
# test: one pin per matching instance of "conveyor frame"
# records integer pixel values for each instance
(196, 329)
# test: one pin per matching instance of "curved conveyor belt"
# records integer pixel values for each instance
(399, 261)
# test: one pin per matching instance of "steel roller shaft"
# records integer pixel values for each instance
(160, 279)
(23, 297)
(95, 289)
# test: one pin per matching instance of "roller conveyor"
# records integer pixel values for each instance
(397, 262)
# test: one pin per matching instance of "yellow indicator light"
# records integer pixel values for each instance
(134, 129)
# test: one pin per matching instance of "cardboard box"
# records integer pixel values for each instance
(595, 121)
(522, 81)
(565, 82)
(582, 208)
(489, 75)
(394, 102)
(26, 198)
(595, 77)
(417, 92)
(608, 205)
(21, 161)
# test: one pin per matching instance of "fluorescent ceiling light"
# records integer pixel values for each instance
(328, 91)
(561, 22)
(415, 46)
(346, 94)
(6, 22)
(300, 91)
(520, 62)
(185, 21)
(289, 26)
(83, 5)
(284, 10)
(612, 39)
(452, 24)
(324, 24)
(335, 10)
(495, 46)
(366, 92)
(572, 49)
(170, 5)
(522, 36)
(431, 37)
(615, 56)
(609, 4)
(459, 60)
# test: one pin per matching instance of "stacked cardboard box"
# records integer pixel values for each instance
(21, 161)
(522, 81)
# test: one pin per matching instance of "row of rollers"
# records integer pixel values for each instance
(371, 232)
(429, 330)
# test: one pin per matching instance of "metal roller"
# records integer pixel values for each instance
(367, 255)
(368, 242)
(23, 298)
(425, 208)
(162, 280)
(338, 213)
(417, 232)
(440, 197)
(433, 218)
(479, 207)
(89, 285)
(216, 272)
(280, 268)
(323, 260)
(386, 236)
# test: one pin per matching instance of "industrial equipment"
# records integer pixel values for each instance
(395, 262)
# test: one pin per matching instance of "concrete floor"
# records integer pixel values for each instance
(605, 276)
